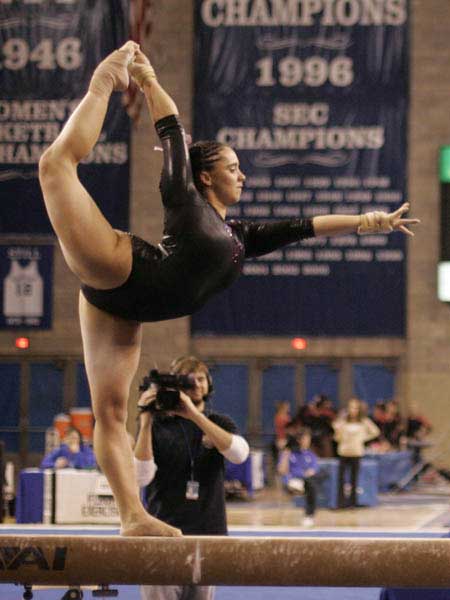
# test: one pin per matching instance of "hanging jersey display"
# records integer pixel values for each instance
(23, 291)
(26, 286)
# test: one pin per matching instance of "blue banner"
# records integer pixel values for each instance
(48, 52)
(313, 96)
(26, 285)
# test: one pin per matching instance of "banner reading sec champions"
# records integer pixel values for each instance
(313, 96)
(48, 52)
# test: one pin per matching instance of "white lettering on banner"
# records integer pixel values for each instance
(23, 253)
(359, 256)
(261, 181)
(320, 270)
(317, 182)
(389, 255)
(329, 196)
(303, 138)
(28, 127)
(255, 269)
(287, 182)
(314, 71)
(246, 196)
(299, 254)
(290, 113)
(29, 132)
(299, 196)
(312, 211)
(342, 209)
(286, 269)
(37, 110)
(344, 240)
(31, 2)
(358, 196)
(15, 54)
(331, 255)
(286, 211)
(373, 240)
(376, 182)
(269, 196)
(306, 13)
(257, 211)
(346, 182)
(389, 196)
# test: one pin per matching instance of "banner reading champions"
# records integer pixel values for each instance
(313, 96)
(48, 52)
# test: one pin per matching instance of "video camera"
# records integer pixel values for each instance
(168, 390)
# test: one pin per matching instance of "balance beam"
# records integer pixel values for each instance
(208, 560)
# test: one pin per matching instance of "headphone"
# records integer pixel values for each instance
(193, 364)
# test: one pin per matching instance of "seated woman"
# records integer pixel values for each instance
(71, 453)
(298, 467)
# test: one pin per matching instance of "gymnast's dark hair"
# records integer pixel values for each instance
(203, 155)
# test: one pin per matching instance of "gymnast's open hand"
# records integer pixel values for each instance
(382, 222)
(400, 224)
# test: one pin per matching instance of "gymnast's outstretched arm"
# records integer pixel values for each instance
(263, 238)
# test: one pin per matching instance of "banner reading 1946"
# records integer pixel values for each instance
(313, 96)
(48, 52)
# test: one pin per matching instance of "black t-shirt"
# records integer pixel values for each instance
(177, 442)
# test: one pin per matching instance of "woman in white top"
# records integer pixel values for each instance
(351, 433)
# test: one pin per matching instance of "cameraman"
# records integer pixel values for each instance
(179, 456)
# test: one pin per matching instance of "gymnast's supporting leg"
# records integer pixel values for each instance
(112, 350)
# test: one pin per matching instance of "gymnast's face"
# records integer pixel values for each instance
(226, 178)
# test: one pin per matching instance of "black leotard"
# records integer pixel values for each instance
(200, 254)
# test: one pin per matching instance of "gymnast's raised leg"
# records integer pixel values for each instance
(101, 257)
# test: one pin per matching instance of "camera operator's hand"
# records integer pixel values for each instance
(145, 399)
(187, 409)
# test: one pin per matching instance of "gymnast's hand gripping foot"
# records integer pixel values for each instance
(127, 281)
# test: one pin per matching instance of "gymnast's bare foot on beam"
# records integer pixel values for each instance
(149, 526)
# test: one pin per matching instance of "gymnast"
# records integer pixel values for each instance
(127, 281)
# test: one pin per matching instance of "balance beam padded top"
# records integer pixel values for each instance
(208, 560)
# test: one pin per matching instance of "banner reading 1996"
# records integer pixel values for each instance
(48, 52)
(313, 96)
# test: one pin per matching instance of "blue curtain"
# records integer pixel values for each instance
(9, 405)
(45, 401)
(372, 382)
(321, 379)
(231, 392)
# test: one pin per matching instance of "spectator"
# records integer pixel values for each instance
(323, 433)
(179, 458)
(392, 429)
(298, 467)
(417, 429)
(352, 431)
(71, 453)
(281, 421)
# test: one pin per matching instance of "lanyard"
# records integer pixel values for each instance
(188, 446)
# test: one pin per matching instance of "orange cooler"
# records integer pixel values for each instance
(83, 420)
